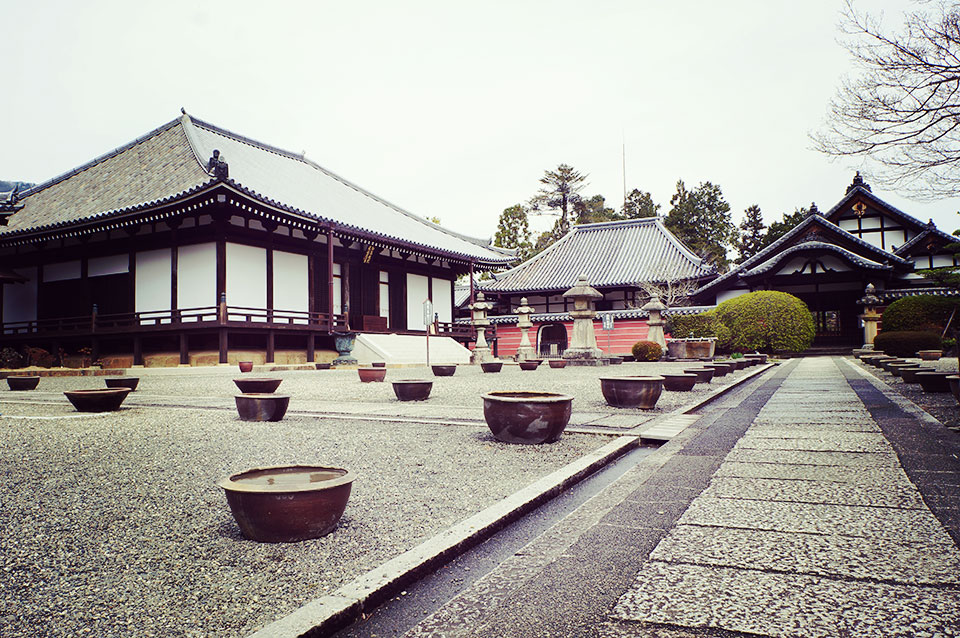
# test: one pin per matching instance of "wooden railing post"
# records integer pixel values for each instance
(93, 319)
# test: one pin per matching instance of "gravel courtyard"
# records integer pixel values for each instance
(113, 524)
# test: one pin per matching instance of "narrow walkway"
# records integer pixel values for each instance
(789, 513)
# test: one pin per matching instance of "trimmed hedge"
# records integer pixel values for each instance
(906, 343)
(767, 321)
(647, 351)
(921, 312)
(763, 321)
(705, 324)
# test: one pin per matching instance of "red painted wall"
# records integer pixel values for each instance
(625, 333)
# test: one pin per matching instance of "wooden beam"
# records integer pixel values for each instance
(270, 346)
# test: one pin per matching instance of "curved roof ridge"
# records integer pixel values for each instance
(301, 157)
(97, 160)
(816, 245)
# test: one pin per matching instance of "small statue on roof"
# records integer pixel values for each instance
(217, 167)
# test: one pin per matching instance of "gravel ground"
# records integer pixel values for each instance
(942, 406)
(112, 525)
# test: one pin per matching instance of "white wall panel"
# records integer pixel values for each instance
(20, 300)
(196, 277)
(112, 265)
(443, 299)
(291, 283)
(154, 279)
(416, 293)
(246, 276)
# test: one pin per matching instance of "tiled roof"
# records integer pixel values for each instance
(814, 245)
(171, 160)
(632, 313)
(623, 253)
(930, 231)
(798, 230)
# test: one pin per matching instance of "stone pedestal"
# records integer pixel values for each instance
(870, 316)
(583, 348)
(655, 323)
(526, 351)
(481, 350)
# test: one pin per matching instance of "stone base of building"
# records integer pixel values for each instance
(587, 362)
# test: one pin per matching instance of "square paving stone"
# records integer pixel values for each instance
(777, 429)
(786, 605)
(868, 476)
(813, 457)
(900, 496)
(816, 554)
(904, 526)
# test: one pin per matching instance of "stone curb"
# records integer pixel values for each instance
(899, 400)
(328, 614)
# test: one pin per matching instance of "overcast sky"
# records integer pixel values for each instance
(452, 109)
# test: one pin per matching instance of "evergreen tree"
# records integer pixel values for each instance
(781, 228)
(513, 230)
(559, 192)
(639, 204)
(700, 218)
(592, 210)
(751, 236)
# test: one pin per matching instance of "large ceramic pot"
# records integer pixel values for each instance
(262, 407)
(615, 361)
(245, 366)
(122, 382)
(876, 362)
(859, 353)
(23, 383)
(679, 382)
(759, 357)
(557, 363)
(632, 392)
(930, 355)
(444, 371)
(379, 364)
(257, 385)
(491, 366)
(412, 389)
(368, 375)
(691, 348)
(322, 366)
(896, 368)
(934, 381)
(954, 381)
(289, 503)
(703, 374)
(99, 400)
(720, 368)
(739, 364)
(527, 417)
(529, 364)
(909, 375)
(886, 363)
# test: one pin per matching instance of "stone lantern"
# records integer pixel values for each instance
(583, 348)
(525, 322)
(870, 316)
(478, 314)
(655, 322)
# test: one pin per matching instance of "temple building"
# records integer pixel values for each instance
(193, 243)
(829, 259)
(621, 259)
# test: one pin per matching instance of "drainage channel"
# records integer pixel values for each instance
(428, 594)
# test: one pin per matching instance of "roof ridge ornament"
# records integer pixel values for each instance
(813, 210)
(217, 167)
(858, 182)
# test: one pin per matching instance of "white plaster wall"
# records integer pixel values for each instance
(153, 280)
(443, 299)
(291, 284)
(246, 277)
(730, 294)
(20, 300)
(196, 277)
(416, 293)
(112, 265)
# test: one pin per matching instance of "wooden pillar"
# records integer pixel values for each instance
(223, 344)
(138, 351)
(184, 349)
(269, 285)
(330, 277)
(311, 352)
(473, 299)
(270, 346)
(174, 254)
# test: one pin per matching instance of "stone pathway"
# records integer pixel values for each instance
(810, 527)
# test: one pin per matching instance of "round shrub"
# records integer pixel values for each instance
(767, 321)
(647, 351)
(906, 343)
(921, 312)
